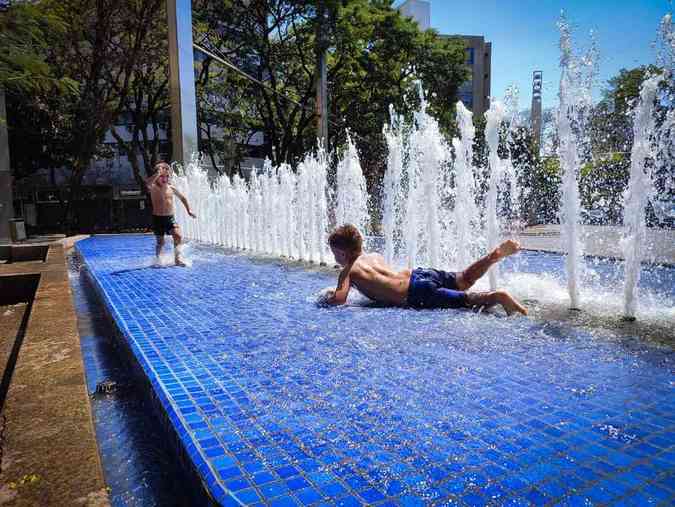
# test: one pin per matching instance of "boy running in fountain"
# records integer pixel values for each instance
(419, 288)
(161, 193)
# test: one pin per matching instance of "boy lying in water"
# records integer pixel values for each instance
(419, 288)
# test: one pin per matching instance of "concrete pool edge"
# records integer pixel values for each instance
(50, 454)
(191, 458)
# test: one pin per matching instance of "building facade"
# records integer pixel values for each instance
(475, 92)
(419, 10)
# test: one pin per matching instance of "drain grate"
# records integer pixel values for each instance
(106, 387)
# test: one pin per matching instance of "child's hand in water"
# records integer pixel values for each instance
(324, 296)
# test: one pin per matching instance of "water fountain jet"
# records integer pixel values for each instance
(575, 84)
(494, 117)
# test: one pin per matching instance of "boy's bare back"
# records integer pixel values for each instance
(375, 279)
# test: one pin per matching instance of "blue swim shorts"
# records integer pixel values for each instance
(433, 288)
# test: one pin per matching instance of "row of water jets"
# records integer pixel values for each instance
(431, 189)
(279, 212)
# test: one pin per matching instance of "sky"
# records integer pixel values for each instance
(525, 37)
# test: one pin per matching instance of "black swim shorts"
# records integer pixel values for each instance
(163, 224)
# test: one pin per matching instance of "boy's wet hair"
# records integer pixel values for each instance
(346, 237)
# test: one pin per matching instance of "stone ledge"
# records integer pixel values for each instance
(49, 450)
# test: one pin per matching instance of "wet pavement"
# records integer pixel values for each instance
(604, 241)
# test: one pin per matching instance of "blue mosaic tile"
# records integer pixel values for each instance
(333, 490)
(273, 489)
(308, 496)
(474, 500)
(284, 501)
(277, 402)
(248, 496)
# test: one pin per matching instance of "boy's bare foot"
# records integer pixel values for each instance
(510, 304)
(180, 262)
(487, 300)
(506, 248)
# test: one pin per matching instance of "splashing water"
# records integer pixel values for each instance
(466, 212)
(666, 43)
(431, 196)
(277, 212)
(352, 196)
(511, 103)
(494, 117)
(393, 199)
(414, 214)
(575, 99)
(430, 154)
(639, 191)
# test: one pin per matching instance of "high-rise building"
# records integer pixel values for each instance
(475, 92)
(419, 10)
(535, 114)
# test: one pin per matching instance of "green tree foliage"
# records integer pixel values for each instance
(601, 185)
(106, 44)
(374, 57)
(226, 117)
(377, 58)
(146, 107)
(37, 127)
(100, 48)
(272, 41)
(604, 178)
(611, 120)
(77, 65)
(544, 181)
(26, 29)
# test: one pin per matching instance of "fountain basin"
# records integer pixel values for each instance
(278, 402)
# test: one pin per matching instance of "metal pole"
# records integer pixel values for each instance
(321, 78)
(322, 99)
(6, 200)
(182, 80)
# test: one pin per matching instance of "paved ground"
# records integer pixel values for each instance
(49, 451)
(603, 241)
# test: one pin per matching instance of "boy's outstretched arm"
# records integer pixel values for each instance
(339, 297)
(184, 201)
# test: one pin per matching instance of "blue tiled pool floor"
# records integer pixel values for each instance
(281, 403)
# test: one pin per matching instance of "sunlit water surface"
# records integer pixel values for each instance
(374, 404)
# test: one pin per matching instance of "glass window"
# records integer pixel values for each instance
(469, 56)
(466, 86)
(467, 99)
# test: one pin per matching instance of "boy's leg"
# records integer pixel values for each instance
(158, 245)
(488, 299)
(177, 241)
(466, 278)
